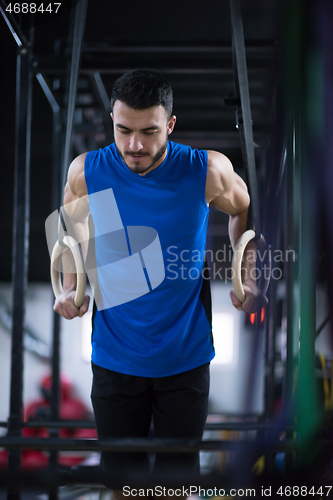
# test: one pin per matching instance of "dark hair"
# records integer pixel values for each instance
(142, 89)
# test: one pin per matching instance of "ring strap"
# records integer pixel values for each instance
(244, 120)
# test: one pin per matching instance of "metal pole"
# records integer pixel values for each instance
(293, 89)
(311, 413)
(244, 110)
(78, 35)
(301, 383)
(55, 394)
(20, 250)
(13, 26)
(56, 200)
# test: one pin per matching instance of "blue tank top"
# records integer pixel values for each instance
(150, 241)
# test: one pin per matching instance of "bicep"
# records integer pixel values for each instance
(235, 199)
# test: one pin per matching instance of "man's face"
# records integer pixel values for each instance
(141, 135)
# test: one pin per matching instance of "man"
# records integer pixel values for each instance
(151, 355)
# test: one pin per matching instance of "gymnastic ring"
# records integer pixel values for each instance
(74, 247)
(238, 259)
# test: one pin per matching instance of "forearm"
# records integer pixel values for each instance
(237, 226)
(69, 272)
(76, 213)
(79, 231)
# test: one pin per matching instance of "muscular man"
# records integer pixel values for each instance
(151, 355)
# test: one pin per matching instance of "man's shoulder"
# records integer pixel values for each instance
(76, 180)
(77, 165)
(218, 163)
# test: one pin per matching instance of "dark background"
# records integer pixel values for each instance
(124, 35)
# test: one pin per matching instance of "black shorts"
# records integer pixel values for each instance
(125, 405)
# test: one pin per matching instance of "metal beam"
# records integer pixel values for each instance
(101, 91)
(129, 445)
(14, 28)
(47, 66)
(79, 27)
(48, 93)
(244, 111)
(20, 249)
(260, 49)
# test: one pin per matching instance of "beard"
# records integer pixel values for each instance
(154, 159)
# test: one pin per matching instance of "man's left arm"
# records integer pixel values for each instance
(227, 191)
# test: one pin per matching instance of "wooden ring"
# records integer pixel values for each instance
(237, 264)
(74, 247)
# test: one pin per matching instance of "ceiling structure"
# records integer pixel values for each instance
(190, 43)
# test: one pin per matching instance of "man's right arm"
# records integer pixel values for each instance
(76, 206)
